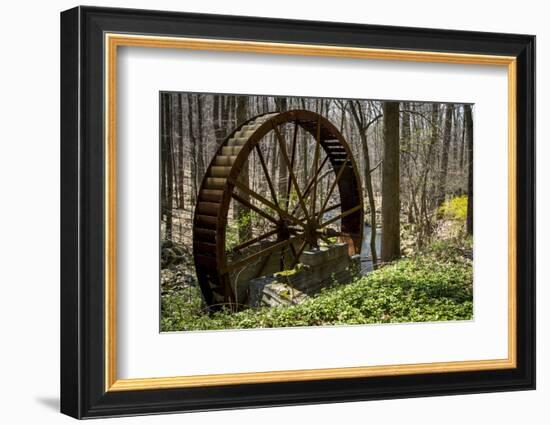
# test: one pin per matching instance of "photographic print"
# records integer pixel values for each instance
(291, 211)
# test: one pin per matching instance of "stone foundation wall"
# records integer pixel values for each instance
(321, 268)
(240, 278)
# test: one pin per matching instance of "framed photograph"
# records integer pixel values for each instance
(261, 212)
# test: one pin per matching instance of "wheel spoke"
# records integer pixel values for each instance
(247, 260)
(339, 216)
(264, 201)
(329, 233)
(292, 158)
(332, 207)
(282, 146)
(269, 182)
(254, 240)
(254, 208)
(315, 164)
(310, 183)
(334, 183)
(297, 255)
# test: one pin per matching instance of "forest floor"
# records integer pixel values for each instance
(435, 284)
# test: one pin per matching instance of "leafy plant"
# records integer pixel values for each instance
(455, 208)
(433, 286)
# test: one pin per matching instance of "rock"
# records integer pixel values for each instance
(167, 244)
(167, 257)
(267, 291)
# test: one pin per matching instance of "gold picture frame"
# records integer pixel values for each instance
(114, 41)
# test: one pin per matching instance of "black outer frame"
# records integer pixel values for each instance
(82, 217)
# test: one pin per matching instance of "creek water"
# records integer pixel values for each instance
(366, 257)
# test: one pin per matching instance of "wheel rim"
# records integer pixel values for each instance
(294, 227)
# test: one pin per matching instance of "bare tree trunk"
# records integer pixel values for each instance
(201, 148)
(192, 148)
(232, 113)
(178, 112)
(163, 133)
(173, 137)
(442, 181)
(360, 123)
(406, 161)
(426, 227)
(281, 104)
(216, 120)
(390, 249)
(242, 213)
(272, 159)
(470, 142)
(462, 142)
(167, 159)
(305, 151)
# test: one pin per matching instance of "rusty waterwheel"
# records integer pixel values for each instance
(292, 211)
